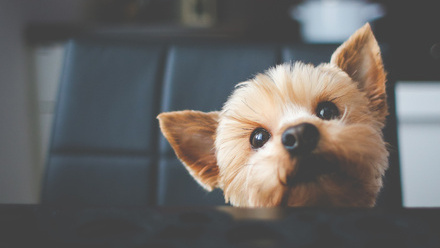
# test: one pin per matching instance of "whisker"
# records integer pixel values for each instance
(335, 98)
(245, 103)
(249, 169)
(346, 112)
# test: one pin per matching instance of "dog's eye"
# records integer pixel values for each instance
(259, 137)
(327, 111)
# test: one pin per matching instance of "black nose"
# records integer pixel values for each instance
(300, 139)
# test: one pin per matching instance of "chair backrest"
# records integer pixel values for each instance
(106, 148)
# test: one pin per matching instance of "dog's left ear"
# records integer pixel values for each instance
(361, 59)
(192, 136)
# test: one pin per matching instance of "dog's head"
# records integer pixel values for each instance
(297, 135)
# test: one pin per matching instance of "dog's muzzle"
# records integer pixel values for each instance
(300, 141)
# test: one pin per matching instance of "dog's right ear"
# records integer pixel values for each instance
(361, 59)
(192, 136)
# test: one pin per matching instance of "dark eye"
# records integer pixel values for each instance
(327, 111)
(259, 137)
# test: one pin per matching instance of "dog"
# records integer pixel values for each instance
(296, 135)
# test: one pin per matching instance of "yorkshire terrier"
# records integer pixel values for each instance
(297, 135)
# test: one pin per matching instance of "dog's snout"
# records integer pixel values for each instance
(300, 139)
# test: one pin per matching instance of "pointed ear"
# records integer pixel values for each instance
(192, 136)
(361, 59)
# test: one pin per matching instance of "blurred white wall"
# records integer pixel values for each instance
(418, 115)
(20, 176)
(17, 179)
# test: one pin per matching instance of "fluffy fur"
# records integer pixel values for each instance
(215, 147)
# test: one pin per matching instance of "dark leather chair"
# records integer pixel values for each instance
(106, 148)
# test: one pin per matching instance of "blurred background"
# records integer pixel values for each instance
(33, 35)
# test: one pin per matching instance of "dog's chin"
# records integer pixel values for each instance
(304, 186)
(321, 181)
(310, 169)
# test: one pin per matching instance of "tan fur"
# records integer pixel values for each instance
(215, 147)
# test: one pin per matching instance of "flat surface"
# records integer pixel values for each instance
(23, 225)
